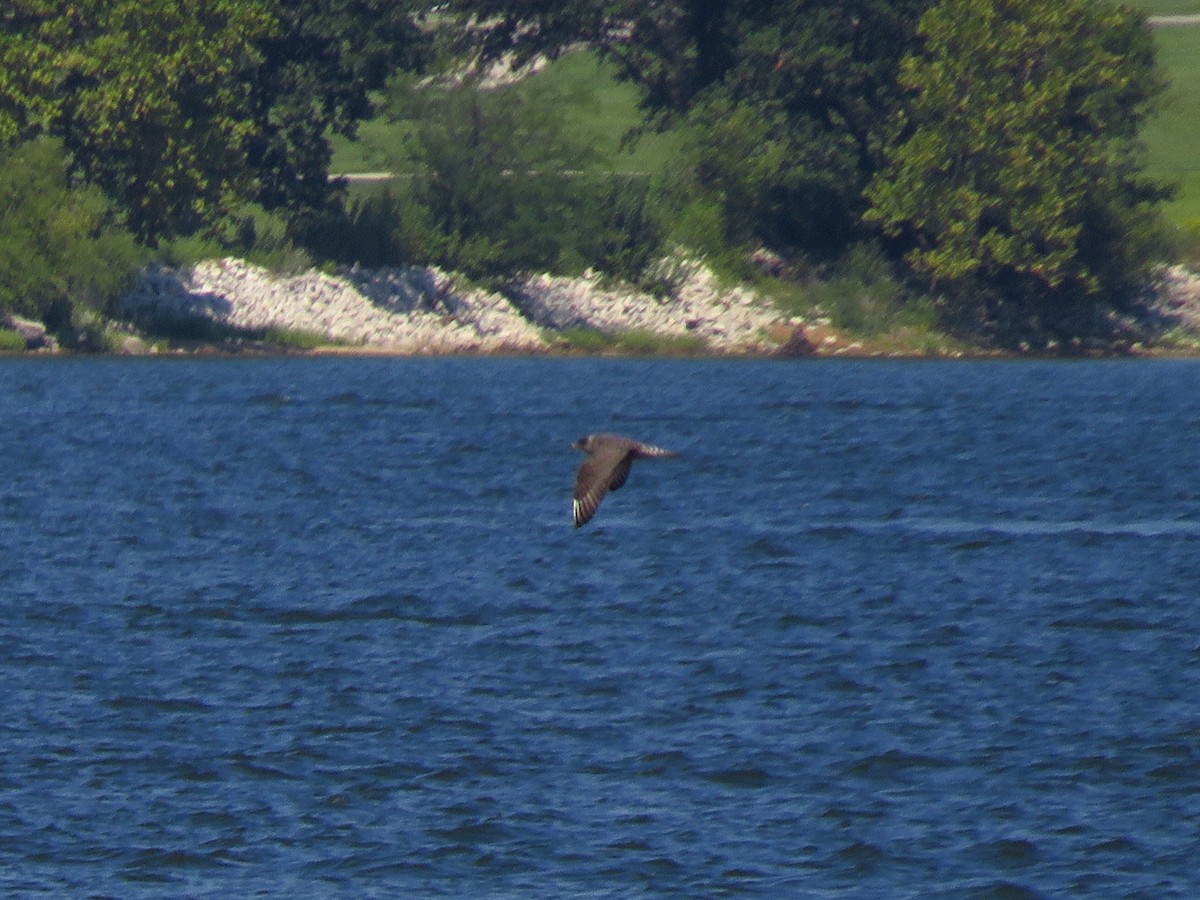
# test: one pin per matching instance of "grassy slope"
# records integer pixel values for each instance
(1173, 136)
(1166, 7)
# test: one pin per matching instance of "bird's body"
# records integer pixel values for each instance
(610, 457)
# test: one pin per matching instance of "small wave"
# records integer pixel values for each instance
(158, 704)
(982, 533)
(739, 777)
(163, 861)
(1010, 852)
(271, 398)
(767, 548)
(891, 762)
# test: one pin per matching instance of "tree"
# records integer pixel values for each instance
(314, 77)
(59, 246)
(147, 96)
(787, 97)
(1014, 162)
(181, 109)
(496, 180)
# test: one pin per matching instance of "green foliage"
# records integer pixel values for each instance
(492, 183)
(59, 249)
(314, 78)
(297, 339)
(640, 342)
(11, 341)
(181, 110)
(628, 230)
(366, 231)
(495, 183)
(862, 295)
(148, 96)
(787, 97)
(1014, 162)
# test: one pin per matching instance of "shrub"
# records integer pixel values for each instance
(59, 246)
(493, 182)
(862, 295)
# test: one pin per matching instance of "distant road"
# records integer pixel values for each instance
(363, 176)
(1168, 21)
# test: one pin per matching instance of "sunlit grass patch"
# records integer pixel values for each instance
(298, 339)
(11, 341)
(585, 340)
(642, 342)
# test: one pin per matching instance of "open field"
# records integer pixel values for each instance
(1167, 7)
(1173, 136)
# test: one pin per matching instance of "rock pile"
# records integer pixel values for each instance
(425, 310)
(1176, 297)
(728, 319)
(411, 310)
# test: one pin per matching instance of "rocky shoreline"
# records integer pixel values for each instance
(423, 310)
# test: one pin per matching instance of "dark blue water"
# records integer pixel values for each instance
(323, 628)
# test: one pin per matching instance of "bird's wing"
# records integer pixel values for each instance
(620, 473)
(593, 481)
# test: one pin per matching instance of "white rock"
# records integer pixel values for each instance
(423, 309)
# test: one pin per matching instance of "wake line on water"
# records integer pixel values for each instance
(1017, 527)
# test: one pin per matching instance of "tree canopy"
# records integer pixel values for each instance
(179, 108)
(59, 247)
(1014, 157)
(788, 96)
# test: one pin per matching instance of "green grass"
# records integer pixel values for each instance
(1167, 7)
(586, 340)
(298, 339)
(634, 342)
(610, 115)
(1173, 136)
(640, 342)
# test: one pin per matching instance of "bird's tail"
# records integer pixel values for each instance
(649, 450)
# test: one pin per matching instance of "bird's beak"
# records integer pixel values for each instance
(578, 445)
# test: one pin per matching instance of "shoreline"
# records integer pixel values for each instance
(228, 307)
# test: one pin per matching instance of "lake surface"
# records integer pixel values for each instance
(323, 628)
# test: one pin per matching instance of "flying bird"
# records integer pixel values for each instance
(609, 459)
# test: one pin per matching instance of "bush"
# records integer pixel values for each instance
(366, 231)
(492, 183)
(862, 295)
(59, 246)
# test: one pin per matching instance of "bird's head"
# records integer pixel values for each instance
(584, 444)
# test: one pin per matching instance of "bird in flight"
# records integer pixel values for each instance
(609, 459)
